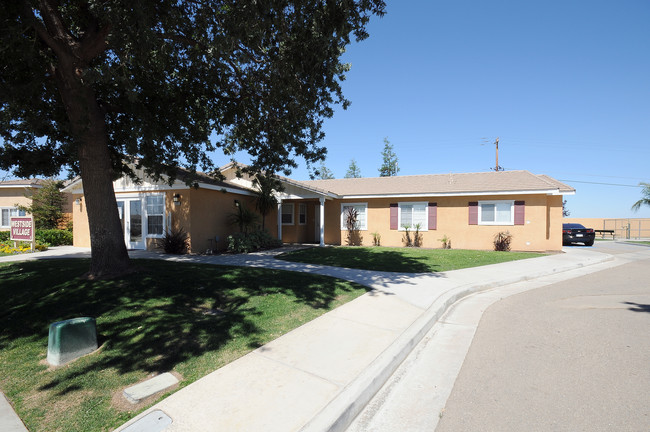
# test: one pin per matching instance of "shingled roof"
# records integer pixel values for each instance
(35, 182)
(443, 184)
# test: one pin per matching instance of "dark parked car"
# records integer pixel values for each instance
(576, 233)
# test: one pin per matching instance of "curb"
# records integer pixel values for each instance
(339, 413)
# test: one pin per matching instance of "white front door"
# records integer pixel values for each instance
(131, 218)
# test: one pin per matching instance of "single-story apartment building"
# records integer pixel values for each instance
(467, 208)
(14, 193)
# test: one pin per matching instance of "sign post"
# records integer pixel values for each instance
(22, 229)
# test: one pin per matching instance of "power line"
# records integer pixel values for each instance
(598, 183)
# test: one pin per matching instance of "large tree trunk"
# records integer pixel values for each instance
(109, 256)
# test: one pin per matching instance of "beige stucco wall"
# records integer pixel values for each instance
(541, 232)
(297, 233)
(80, 230)
(11, 197)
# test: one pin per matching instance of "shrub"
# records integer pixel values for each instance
(4, 236)
(354, 237)
(417, 237)
(502, 241)
(174, 242)
(244, 218)
(446, 242)
(21, 247)
(376, 239)
(408, 242)
(53, 237)
(251, 242)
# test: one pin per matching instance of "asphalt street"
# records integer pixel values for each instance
(567, 352)
(573, 356)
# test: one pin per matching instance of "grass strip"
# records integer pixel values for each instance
(403, 260)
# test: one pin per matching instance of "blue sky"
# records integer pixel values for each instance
(563, 84)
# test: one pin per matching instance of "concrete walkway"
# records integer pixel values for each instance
(321, 375)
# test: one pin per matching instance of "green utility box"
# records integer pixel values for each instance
(71, 339)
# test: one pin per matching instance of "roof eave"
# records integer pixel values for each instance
(448, 194)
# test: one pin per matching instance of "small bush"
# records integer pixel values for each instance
(417, 236)
(174, 242)
(251, 242)
(53, 237)
(21, 247)
(408, 242)
(4, 236)
(354, 237)
(376, 239)
(502, 241)
(446, 242)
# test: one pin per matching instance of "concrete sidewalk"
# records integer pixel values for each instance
(321, 375)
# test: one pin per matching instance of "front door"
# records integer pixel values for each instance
(131, 219)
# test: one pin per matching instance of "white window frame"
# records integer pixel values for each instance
(145, 214)
(364, 205)
(511, 203)
(425, 224)
(18, 213)
(293, 210)
(302, 211)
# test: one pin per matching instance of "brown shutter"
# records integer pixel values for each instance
(473, 213)
(433, 216)
(394, 222)
(520, 212)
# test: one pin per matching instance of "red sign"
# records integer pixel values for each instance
(22, 228)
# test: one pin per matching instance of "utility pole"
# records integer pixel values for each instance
(497, 167)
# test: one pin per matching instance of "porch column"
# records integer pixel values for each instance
(322, 221)
(280, 219)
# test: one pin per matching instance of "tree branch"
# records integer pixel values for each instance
(94, 43)
(41, 31)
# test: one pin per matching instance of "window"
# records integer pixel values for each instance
(413, 213)
(155, 215)
(362, 215)
(6, 213)
(287, 214)
(302, 214)
(496, 213)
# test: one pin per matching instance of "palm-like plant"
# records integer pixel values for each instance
(265, 201)
(646, 197)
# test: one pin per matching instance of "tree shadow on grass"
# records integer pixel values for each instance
(151, 321)
(364, 259)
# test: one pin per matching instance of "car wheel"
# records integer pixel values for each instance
(589, 243)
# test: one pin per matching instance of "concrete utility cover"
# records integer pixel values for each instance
(147, 388)
(155, 421)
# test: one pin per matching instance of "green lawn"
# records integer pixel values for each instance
(190, 319)
(408, 260)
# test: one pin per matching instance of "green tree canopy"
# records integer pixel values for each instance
(93, 85)
(389, 161)
(646, 197)
(47, 205)
(323, 173)
(353, 170)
